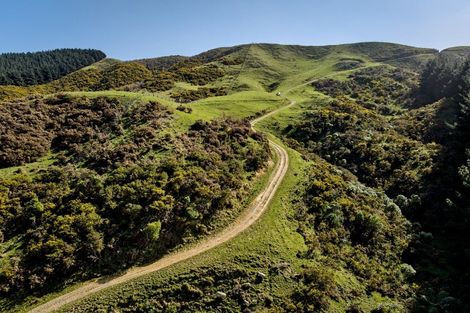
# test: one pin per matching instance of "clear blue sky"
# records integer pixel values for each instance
(129, 29)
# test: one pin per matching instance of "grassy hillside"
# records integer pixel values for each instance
(346, 232)
(265, 67)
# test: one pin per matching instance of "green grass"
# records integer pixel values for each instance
(29, 168)
(240, 105)
(289, 69)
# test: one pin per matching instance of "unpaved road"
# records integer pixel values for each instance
(247, 218)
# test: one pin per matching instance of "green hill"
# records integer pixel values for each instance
(462, 52)
(264, 67)
(120, 163)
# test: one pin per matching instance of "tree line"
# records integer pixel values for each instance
(32, 68)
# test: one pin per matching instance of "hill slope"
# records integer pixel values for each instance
(355, 226)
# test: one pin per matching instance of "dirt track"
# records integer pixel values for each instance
(247, 218)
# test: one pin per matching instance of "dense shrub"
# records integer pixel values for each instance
(199, 75)
(30, 129)
(379, 87)
(160, 81)
(444, 217)
(348, 64)
(316, 290)
(108, 206)
(440, 77)
(353, 228)
(184, 108)
(123, 74)
(363, 142)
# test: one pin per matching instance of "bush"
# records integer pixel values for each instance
(108, 204)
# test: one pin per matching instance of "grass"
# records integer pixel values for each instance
(288, 69)
(29, 168)
(240, 105)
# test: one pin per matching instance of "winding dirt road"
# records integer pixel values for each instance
(247, 218)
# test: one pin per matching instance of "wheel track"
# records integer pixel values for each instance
(255, 210)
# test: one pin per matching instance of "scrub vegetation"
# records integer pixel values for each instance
(120, 163)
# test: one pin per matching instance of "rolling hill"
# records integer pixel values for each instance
(121, 164)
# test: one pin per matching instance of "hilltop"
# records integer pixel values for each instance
(268, 63)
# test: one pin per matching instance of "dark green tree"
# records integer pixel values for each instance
(25, 69)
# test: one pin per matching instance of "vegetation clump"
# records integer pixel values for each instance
(354, 229)
(73, 125)
(379, 88)
(111, 201)
(362, 141)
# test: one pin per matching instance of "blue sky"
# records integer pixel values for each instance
(129, 29)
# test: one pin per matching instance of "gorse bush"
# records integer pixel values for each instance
(364, 142)
(109, 203)
(30, 130)
(379, 88)
(350, 230)
(199, 75)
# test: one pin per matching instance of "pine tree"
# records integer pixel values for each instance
(24, 69)
(463, 99)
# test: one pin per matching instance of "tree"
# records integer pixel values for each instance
(24, 69)
(153, 230)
